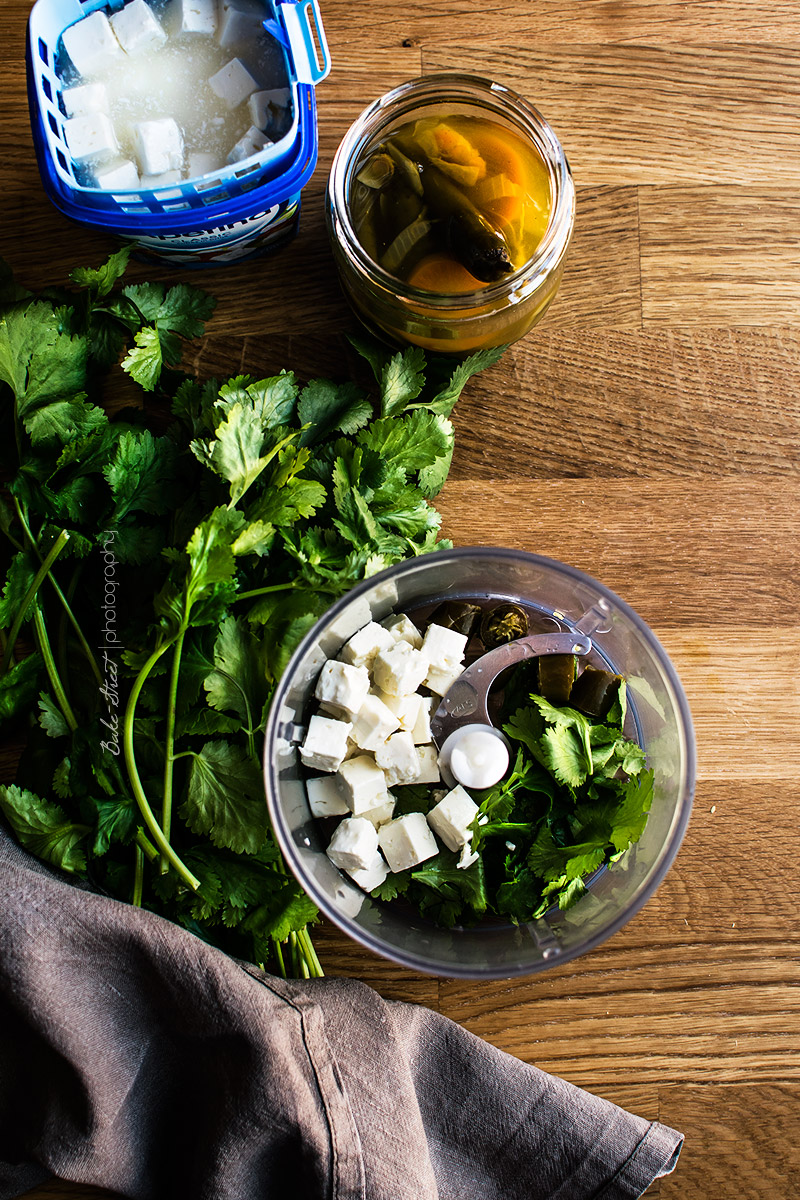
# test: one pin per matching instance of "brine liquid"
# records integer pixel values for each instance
(171, 80)
(424, 196)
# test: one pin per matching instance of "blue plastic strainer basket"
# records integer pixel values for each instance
(213, 202)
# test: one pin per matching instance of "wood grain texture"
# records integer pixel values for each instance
(648, 431)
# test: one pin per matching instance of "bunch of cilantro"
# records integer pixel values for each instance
(163, 563)
(576, 798)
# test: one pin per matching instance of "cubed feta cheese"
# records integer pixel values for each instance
(118, 176)
(361, 783)
(382, 812)
(421, 731)
(342, 686)
(465, 859)
(268, 108)
(84, 99)
(406, 841)
(158, 145)
(372, 876)
(201, 162)
(428, 765)
(405, 708)
(92, 44)
(324, 797)
(240, 21)
(398, 758)
(354, 844)
(403, 629)
(443, 647)
(373, 723)
(233, 83)
(250, 143)
(325, 743)
(137, 28)
(400, 669)
(452, 816)
(363, 646)
(152, 183)
(194, 16)
(91, 139)
(441, 679)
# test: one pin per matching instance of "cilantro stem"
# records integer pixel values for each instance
(64, 602)
(52, 671)
(138, 878)
(279, 956)
(145, 845)
(276, 587)
(22, 612)
(133, 774)
(310, 955)
(169, 739)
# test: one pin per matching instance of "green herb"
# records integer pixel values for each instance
(576, 797)
(161, 574)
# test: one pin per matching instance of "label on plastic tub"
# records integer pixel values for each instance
(224, 242)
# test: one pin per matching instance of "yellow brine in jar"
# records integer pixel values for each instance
(450, 208)
(451, 203)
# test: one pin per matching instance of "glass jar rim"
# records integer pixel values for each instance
(464, 89)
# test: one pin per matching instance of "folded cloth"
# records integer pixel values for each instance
(135, 1057)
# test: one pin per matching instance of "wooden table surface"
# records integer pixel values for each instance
(648, 432)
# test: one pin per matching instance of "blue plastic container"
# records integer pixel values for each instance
(242, 210)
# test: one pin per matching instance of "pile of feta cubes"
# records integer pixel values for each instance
(372, 732)
(141, 49)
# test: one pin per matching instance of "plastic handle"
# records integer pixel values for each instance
(297, 20)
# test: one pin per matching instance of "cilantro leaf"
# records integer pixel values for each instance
(99, 281)
(140, 473)
(445, 400)
(19, 577)
(402, 380)
(225, 798)
(19, 685)
(43, 828)
(51, 718)
(144, 360)
(327, 408)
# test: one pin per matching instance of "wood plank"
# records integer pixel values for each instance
(628, 1012)
(683, 551)
(343, 958)
(649, 114)
(677, 417)
(735, 1132)
(719, 256)
(565, 22)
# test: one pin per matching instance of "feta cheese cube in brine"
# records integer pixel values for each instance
(250, 143)
(137, 28)
(342, 686)
(403, 629)
(92, 44)
(201, 162)
(443, 647)
(354, 844)
(398, 759)
(270, 110)
(166, 179)
(406, 841)
(362, 784)
(85, 99)
(373, 723)
(118, 176)
(324, 797)
(400, 669)
(452, 816)
(91, 139)
(233, 83)
(158, 145)
(325, 743)
(363, 646)
(372, 876)
(240, 21)
(194, 16)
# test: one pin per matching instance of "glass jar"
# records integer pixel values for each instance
(494, 314)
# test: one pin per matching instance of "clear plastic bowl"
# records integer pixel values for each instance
(663, 723)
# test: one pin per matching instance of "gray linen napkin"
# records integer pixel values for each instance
(135, 1057)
